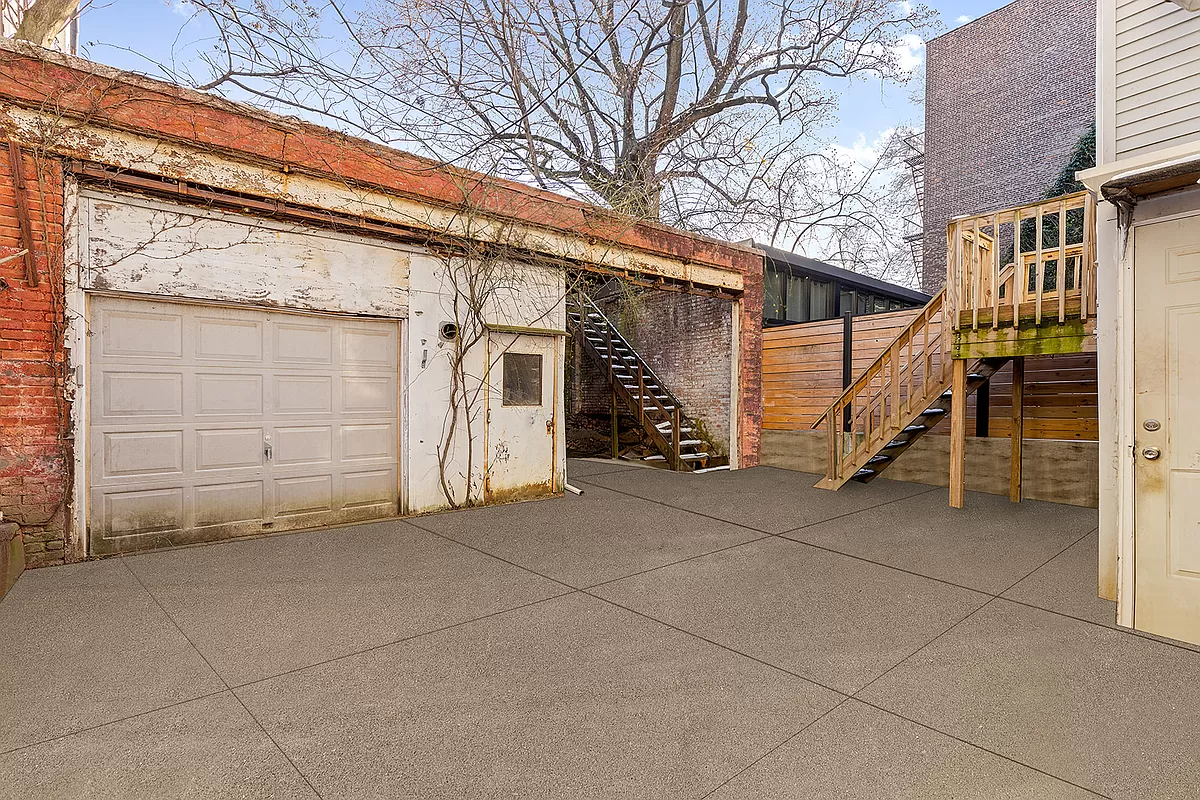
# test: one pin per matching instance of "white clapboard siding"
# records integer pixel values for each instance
(136, 244)
(1157, 76)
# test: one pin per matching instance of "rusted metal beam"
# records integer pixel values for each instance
(24, 225)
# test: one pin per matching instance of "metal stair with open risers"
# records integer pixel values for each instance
(897, 399)
(640, 391)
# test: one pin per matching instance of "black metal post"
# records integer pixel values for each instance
(983, 407)
(848, 361)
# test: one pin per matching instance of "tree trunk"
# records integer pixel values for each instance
(43, 21)
(635, 191)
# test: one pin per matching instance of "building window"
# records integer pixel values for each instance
(773, 294)
(522, 379)
(797, 299)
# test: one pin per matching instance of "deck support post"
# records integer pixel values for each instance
(958, 435)
(1018, 427)
(615, 426)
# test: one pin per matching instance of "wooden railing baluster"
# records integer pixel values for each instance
(1060, 281)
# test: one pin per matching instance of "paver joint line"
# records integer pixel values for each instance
(584, 479)
(220, 677)
(403, 639)
(767, 753)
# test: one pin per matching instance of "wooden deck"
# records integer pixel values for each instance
(1047, 305)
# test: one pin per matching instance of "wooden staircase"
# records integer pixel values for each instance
(658, 412)
(1019, 282)
(897, 399)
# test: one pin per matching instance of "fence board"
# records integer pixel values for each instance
(802, 375)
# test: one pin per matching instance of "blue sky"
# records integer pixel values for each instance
(115, 31)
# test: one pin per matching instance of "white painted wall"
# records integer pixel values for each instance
(1148, 111)
(531, 297)
(1155, 89)
(136, 244)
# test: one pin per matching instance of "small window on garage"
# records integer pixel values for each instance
(522, 379)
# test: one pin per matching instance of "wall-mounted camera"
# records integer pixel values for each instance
(448, 331)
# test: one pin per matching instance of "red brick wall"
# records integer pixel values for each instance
(1007, 97)
(750, 368)
(688, 341)
(35, 453)
(590, 393)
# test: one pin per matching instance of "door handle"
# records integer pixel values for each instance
(267, 450)
(1151, 453)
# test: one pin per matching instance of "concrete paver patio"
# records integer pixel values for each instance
(728, 635)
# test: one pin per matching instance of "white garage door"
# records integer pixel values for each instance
(209, 422)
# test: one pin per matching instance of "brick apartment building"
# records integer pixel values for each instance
(1007, 99)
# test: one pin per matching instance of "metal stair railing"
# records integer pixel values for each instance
(670, 447)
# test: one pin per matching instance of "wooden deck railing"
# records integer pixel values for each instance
(906, 378)
(1031, 264)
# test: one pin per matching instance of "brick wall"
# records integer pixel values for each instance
(35, 454)
(590, 393)
(1006, 99)
(687, 340)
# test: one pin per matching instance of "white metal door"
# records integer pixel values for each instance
(208, 422)
(1167, 409)
(522, 416)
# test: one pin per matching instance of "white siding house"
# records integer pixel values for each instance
(1148, 165)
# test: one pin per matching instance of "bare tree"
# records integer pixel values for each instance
(852, 212)
(689, 111)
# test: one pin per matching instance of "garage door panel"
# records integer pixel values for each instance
(224, 394)
(303, 344)
(227, 503)
(307, 444)
(369, 395)
(140, 394)
(229, 448)
(188, 399)
(228, 340)
(369, 488)
(129, 454)
(361, 442)
(303, 394)
(306, 495)
(141, 334)
(143, 511)
(369, 348)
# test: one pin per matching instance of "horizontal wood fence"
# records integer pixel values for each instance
(802, 375)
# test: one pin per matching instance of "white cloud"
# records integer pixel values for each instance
(862, 152)
(962, 19)
(910, 52)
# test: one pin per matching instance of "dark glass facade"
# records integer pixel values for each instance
(791, 296)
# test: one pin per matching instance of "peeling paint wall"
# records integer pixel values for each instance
(529, 297)
(135, 244)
